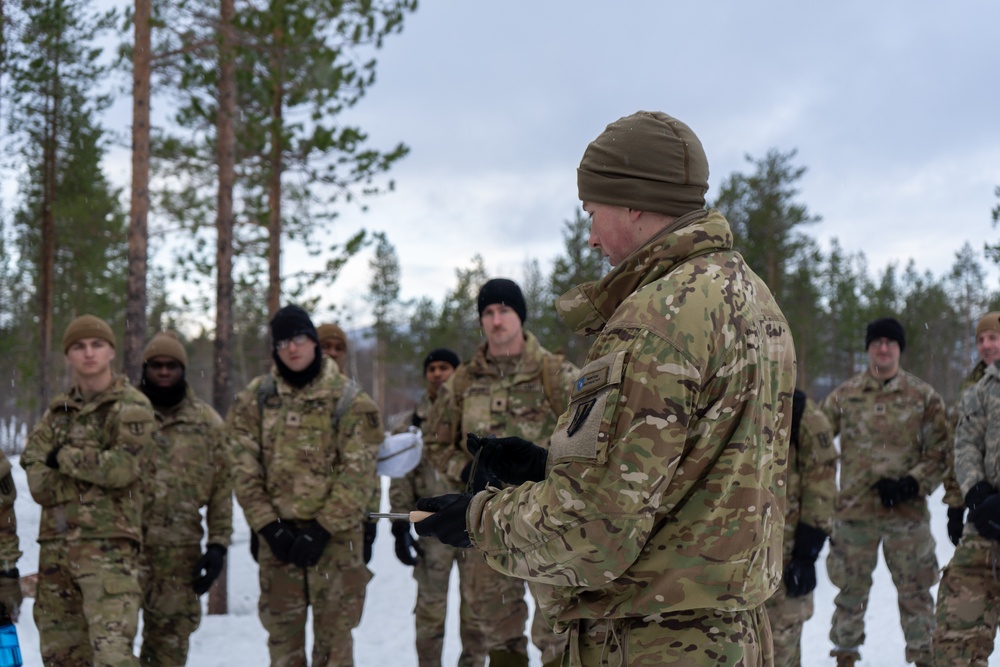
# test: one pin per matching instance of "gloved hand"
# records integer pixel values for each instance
(511, 460)
(956, 524)
(10, 594)
(896, 491)
(280, 536)
(405, 542)
(448, 523)
(978, 493)
(482, 477)
(800, 574)
(208, 568)
(986, 517)
(370, 533)
(309, 545)
(51, 460)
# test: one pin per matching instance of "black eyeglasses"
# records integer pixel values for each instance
(299, 340)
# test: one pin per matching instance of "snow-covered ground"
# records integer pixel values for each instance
(385, 636)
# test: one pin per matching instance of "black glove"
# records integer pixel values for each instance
(956, 524)
(896, 491)
(511, 460)
(370, 533)
(482, 477)
(448, 522)
(51, 460)
(405, 542)
(309, 545)
(10, 594)
(280, 536)
(977, 494)
(208, 568)
(800, 574)
(254, 545)
(986, 517)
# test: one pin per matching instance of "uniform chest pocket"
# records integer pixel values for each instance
(583, 432)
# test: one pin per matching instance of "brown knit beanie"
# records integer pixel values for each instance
(648, 161)
(165, 344)
(988, 322)
(87, 326)
(331, 331)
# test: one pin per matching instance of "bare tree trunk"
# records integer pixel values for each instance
(274, 179)
(221, 382)
(47, 259)
(138, 232)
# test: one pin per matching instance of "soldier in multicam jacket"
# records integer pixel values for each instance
(988, 348)
(85, 459)
(511, 386)
(652, 527)
(893, 434)
(192, 472)
(969, 593)
(10, 585)
(304, 441)
(431, 560)
(811, 489)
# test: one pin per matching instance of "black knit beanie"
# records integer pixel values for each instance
(503, 291)
(441, 354)
(648, 161)
(886, 327)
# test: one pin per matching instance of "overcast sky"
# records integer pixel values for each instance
(893, 107)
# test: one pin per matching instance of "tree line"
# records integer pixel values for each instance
(230, 187)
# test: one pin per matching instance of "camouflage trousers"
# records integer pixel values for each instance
(690, 638)
(87, 603)
(786, 616)
(968, 605)
(432, 574)
(497, 603)
(334, 587)
(170, 609)
(908, 548)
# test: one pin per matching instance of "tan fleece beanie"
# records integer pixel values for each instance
(165, 344)
(87, 326)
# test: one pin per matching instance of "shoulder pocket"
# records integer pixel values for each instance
(584, 429)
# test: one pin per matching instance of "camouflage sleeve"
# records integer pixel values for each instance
(952, 492)
(970, 442)
(9, 545)
(588, 521)
(359, 435)
(130, 430)
(443, 448)
(219, 515)
(243, 435)
(403, 493)
(375, 500)
(48, 486)
(817, 468)
(831, 408)
(934, 437)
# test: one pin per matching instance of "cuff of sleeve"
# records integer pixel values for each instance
(472, 517)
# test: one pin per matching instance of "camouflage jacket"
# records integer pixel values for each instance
(665, 476)
(953, 496)
(290, 465)
(812, 476)
(424, 480)
(977, 437)
(192, 471)
(887, 429)
(483, 398)
(104, 451)
(9, 546)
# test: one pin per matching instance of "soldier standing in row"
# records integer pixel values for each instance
(969, 594)
(515, 387)
(653, 521)
(191, 472)
(85, 460)
(304, 444)
(893, 433)
(811, 489)
(431, 560)
(10, 577)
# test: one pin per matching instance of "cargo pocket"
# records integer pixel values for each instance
(583, 431)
